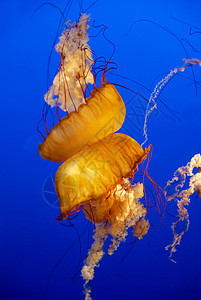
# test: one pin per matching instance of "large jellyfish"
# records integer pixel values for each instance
(97, 179)
(99, 164)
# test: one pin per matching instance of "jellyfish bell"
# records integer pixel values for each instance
(103, 113)
(95, 171)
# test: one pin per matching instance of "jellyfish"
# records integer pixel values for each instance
(97, 180)
(84, 124)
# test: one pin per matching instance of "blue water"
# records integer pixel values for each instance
(39, 256)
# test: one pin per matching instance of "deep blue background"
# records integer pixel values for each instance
(32, 241)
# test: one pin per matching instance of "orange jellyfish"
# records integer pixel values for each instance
(97, 180)
(84, 124)
(99, 165)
